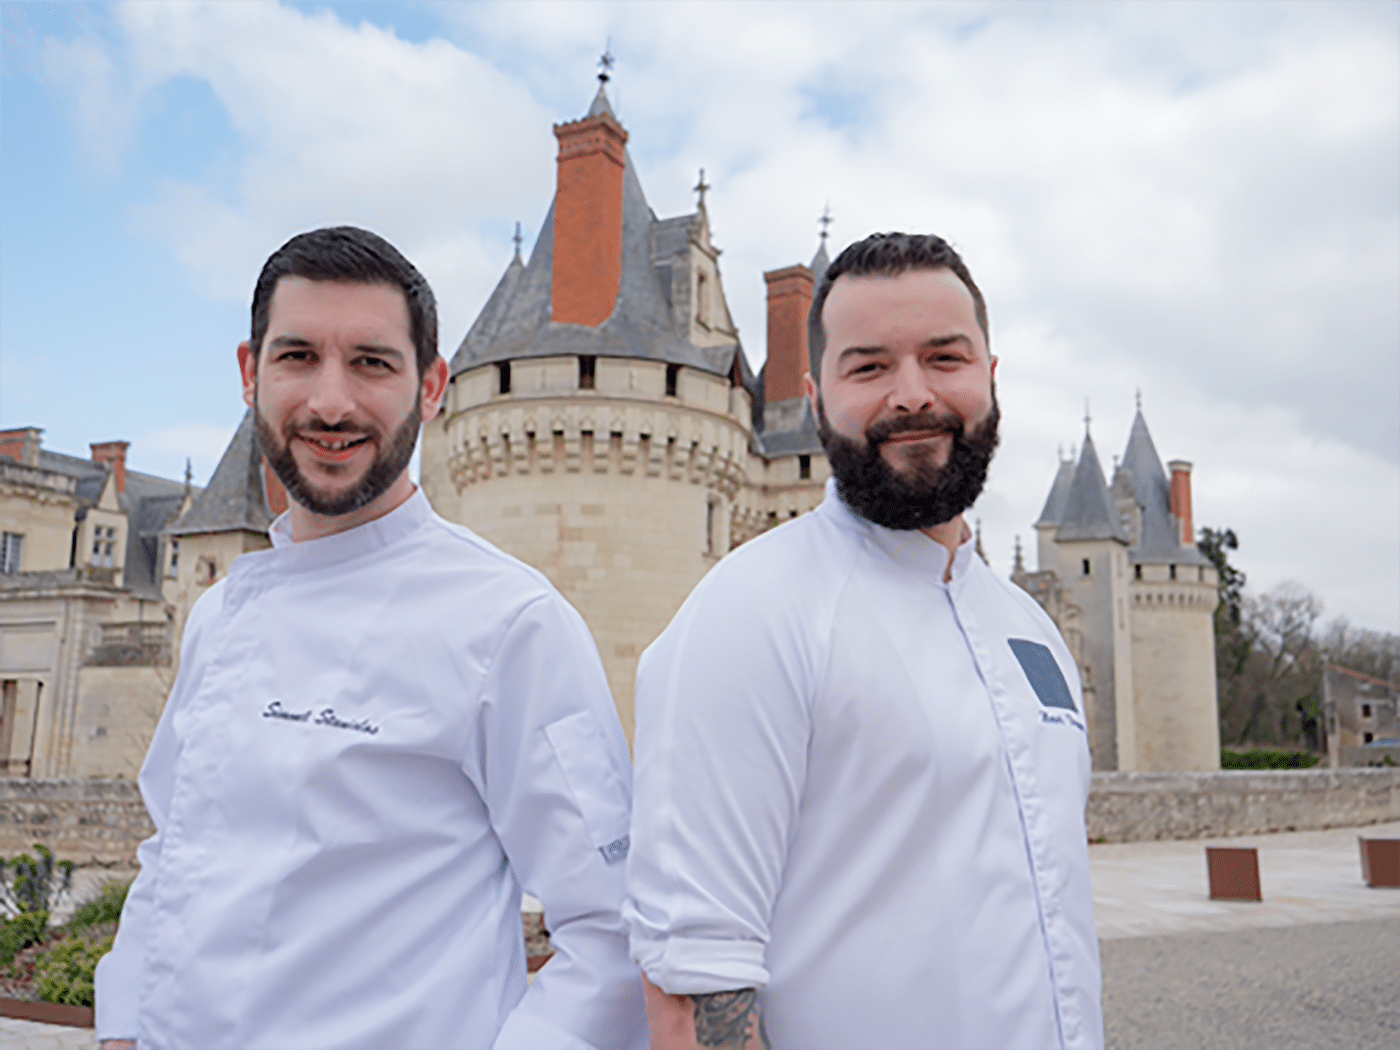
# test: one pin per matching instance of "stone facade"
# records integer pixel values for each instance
(1142, 807)
(1360, 716)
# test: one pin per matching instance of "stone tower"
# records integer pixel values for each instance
(602, 423)
(1120, 574)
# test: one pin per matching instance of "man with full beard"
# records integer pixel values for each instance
(861, 761)
(382, 729)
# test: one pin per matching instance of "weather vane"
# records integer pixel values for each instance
(1086, 417)
(825, 221)
(701, 186)
(517, 239)
(605, 63)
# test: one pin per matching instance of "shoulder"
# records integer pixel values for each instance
(1017, 613)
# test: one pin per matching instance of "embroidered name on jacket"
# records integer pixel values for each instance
(325, 717)
(1045, 678)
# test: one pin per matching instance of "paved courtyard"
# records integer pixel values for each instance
(1312, 964)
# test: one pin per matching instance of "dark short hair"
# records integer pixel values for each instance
(348, 253)
(888, 255)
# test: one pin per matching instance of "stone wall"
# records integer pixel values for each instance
(87, 821)
(103, 821)
(1138, 807)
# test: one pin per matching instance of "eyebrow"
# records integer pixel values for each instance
(928, 344)
(297, 341)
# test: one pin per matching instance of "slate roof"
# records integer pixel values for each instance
(1054, 511)
(800, 440)
(1089, 512)
(1158, 541)
(819, 262)
(515, 323)
(234, 499)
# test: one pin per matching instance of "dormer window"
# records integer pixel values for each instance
(173, 569)
(104, 539)
(11, 546)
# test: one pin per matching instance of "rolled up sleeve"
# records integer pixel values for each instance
(723, 724)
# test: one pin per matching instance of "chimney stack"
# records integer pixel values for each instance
(1181, 499)
(789, 299)
(588, 217)
(113, 452)
(21, 444)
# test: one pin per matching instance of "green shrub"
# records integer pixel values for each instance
(64, 973)
(27, 884)
(20, 932)
(104, 906)
(1267, 758)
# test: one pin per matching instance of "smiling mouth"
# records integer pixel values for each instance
(333, 444)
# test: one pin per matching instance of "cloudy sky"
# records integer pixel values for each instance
(1197, 201)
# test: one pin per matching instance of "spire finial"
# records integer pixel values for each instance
(700, 187)
(189, 474)
(1020, 565)
(1139, 399)
(518, 240)
(1087, 417)
(825, 221)
(605, 63)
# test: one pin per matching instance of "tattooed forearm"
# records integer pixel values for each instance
(730, 1020)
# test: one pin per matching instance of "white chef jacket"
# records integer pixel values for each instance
(852, 793)
(375, 741)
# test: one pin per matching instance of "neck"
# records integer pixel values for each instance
(308, 525)
(952, 534)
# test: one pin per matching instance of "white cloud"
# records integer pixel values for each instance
(1198, 200)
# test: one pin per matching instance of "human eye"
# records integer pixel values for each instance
(372, 363)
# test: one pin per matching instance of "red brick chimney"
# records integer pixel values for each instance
(21, 444)
(113, 452)
(789, 299)
(588, 218)
(1181, 499)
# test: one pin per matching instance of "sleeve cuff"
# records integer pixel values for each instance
(694, 966)
(116, 997)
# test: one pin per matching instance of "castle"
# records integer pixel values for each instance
(1120, 575)
(601, 423)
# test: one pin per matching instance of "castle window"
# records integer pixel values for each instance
(174, 569)
(11, 544)
(103, 540)
(1171, 571)
(672, 374)
(1368, 738)
(1086, 566)
(804, 467)
(503, 375)
(709, 527)
(586, 366)
(1200, 574)
(1137, 572)
(702, 300)
(1365, 710)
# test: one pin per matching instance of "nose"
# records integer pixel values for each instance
(331, 399)
(910, 391)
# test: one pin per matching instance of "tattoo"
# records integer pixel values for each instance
(729, 1020)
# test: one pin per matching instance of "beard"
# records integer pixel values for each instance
(923, 493)
(389, 462)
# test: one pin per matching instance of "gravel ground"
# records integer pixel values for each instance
(1322, 985)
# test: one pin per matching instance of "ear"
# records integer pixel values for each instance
(434, 386)
(993, 372)
(813, 393)
(248, 368)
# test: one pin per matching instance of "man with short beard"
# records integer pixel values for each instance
(861, 766)
(382, 730)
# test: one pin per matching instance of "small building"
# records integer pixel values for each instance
(1360, 716)
(1119, 573)
(87, 633)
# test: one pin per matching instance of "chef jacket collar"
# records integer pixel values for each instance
(909, 548)
(382, 532)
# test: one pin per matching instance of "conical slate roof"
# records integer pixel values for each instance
(234, 498)
(1054, 510)
(516, 320)
(819, 262)
(1158, 540)
(1089, 513)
